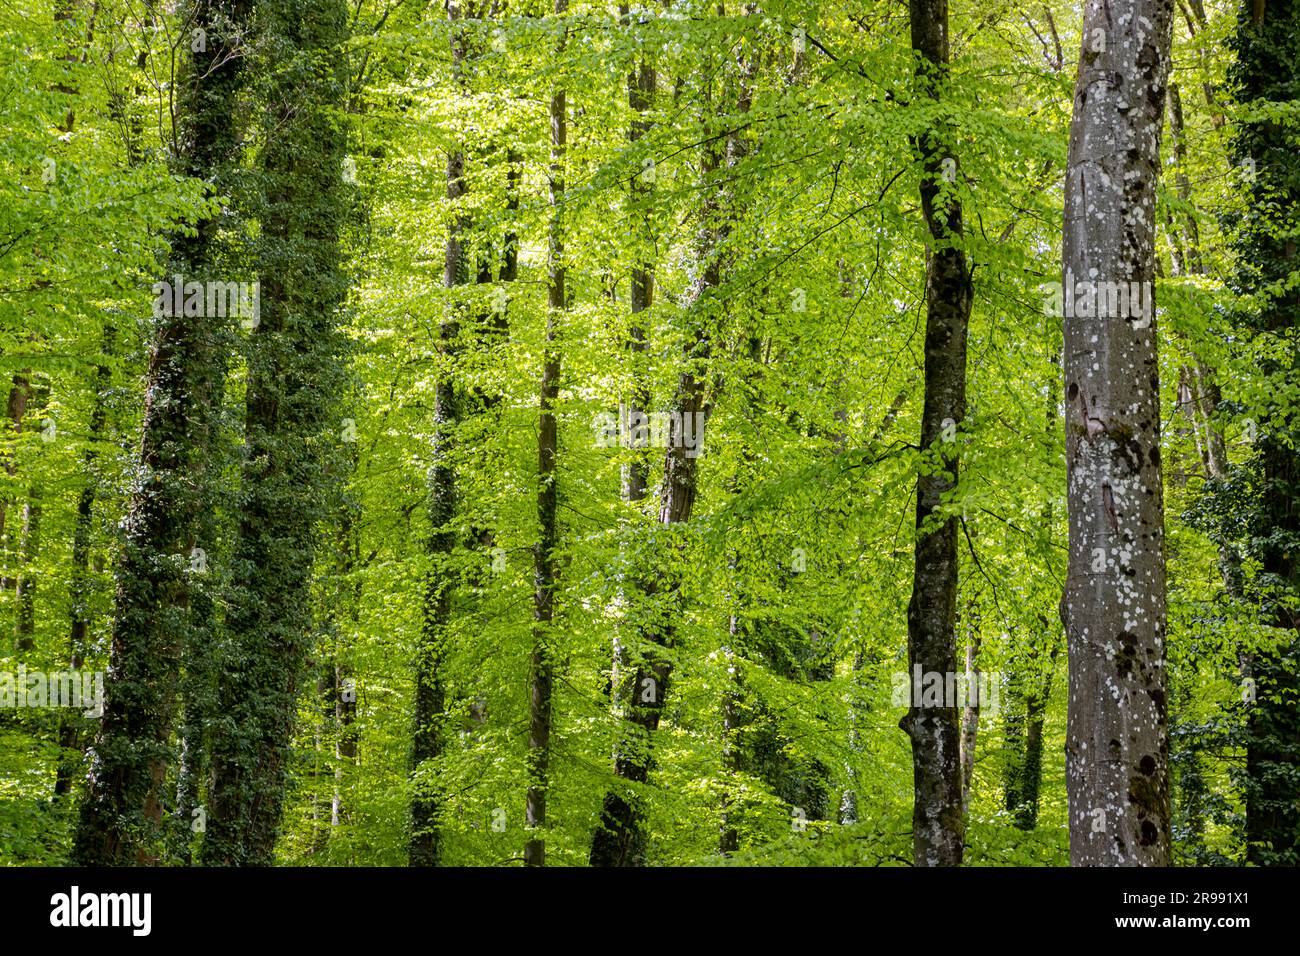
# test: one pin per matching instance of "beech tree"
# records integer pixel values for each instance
(937, 817)
(1113, 607)
(542, 664)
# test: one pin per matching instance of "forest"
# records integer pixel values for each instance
(547, 433)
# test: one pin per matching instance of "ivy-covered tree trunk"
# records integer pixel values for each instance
(1267, 74)
(120, 818)
(295, 375)
(938, 823)
(1113, 607)
(1028, 691)
(430, 693)
(1029, 683)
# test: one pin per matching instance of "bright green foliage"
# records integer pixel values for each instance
(802, 528)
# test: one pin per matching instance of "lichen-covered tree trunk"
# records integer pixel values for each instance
(938, 825)
(1113, 607)
(295, 376)
(184, 383)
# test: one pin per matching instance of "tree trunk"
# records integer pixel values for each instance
(849, 809)
(424, 848)
(640, 95)
(1202, 381)
(541, 664)
(733, 696)
(1028, 694)
(120, 817)
(16, 409)
(295, 375)
(938, 825)
(970, 718)
(1113, 607)
(30, 548)
(619, 839)
(641, 84)
(345, 687)
(732, 702)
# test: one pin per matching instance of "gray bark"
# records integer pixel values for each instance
(1114, 616)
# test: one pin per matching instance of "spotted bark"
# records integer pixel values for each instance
(1113, 607)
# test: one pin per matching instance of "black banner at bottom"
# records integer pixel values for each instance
(558, 907)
